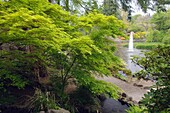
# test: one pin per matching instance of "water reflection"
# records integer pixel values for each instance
(127, 57)
(130, 65)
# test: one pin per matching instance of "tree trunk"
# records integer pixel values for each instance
(67, 5)
(58, 2)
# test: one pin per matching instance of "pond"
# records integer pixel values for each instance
(128, 60)
(127, 55)
(111, 105)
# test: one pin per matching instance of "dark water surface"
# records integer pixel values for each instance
(113, 106)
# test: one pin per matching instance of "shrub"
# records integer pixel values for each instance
(155, 36)
(139, 35)
(155, 64)
(135, 109)
(147, 46)
(166, 39)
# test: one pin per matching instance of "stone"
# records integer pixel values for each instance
(146, 87)
(56, 111)
(113, 106)
(124, 95)
(138, 85)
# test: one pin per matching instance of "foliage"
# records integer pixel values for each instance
(157, 100)
(77, 6)
(139, 23)
(24, 45)
(81, 98)
(146, 45)
(41, 101)
(87, 94)
(157, 36)
(166, 39)
(139, 35)
(41, 42)
(135, 28)
(161, 20)
(156, 5)
(110, 7)
(160, 28)
(121, 77)
(135, 109)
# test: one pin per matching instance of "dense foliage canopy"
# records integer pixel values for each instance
(42, 47)
(160, 29)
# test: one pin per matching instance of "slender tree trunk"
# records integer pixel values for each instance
(67, 5)
(58, 2)
(50, 1)
(65, 75)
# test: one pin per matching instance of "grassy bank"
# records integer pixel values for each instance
(144, 45)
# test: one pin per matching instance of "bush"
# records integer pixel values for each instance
(155, 36)
(135, 109)
(147, 46)
(143, 45)
(166, 39)
(139, 35)
(155, 65)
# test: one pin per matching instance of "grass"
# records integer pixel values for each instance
(144, 45)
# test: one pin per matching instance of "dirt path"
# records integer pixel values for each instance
(136, 92)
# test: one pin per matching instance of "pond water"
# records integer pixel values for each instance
(129, 64)
(111, 105)
(127, 55)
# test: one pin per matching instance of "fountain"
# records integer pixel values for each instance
(131, 42)
(130, 53)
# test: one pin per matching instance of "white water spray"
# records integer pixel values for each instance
(131, 42)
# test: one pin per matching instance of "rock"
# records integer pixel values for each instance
(102, 97)
(124, 95)
(56, 111)
(138, 85)
(146, 87)
(42, 112)
(113, 106)
(129, 99)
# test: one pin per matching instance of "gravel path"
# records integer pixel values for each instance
(136, 92)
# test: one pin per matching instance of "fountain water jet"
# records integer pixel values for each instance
(131, 42)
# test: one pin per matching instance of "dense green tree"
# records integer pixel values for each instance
(140, 23)
(155, 65)
(159, 31)
(77, 5)
(42, 45)
(156, 5)
(110, 7)
(113, 6)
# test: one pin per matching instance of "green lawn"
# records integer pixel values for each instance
(144, 45)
